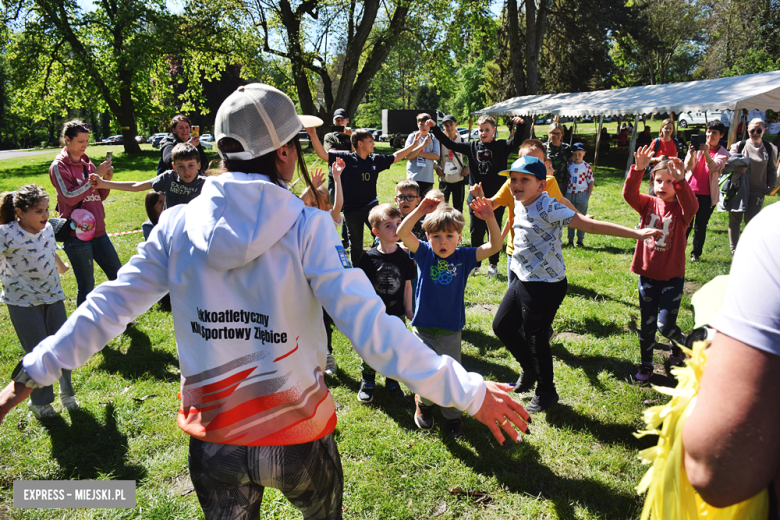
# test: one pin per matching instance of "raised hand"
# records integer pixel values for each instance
(317, 177)
(430, 123)
(642, 156)
(517, 120)
(476, 190)
(676, 168)
(429, 204)
(338, 167)
(482, 208)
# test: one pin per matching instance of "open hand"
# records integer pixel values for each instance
(643, 156)
(430, 123)
(646, 233)
(500, 412)
(476, 190)
(676, 168)
(194, 141)
(517, 120)
(338, 167)
(317, 177)
(482, 208)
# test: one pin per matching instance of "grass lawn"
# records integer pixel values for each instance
(580, 461)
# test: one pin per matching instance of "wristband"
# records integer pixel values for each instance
(20, 375)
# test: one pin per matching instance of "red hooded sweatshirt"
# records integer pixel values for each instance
(71, 180)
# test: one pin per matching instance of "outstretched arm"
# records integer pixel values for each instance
(317, 144)
(415, 147)
(103, 184)
(338, 199)
(599, 227)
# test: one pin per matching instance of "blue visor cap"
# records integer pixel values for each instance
(529, 165)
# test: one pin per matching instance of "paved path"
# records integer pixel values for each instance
(12, 154)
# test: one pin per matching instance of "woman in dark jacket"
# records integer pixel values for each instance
(180, 133)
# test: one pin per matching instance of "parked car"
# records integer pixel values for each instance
(114, 139)
(140, 139)
(697, 118)
(586, 119)
(303, 135)
(207, 137)
(377, 135)
(156, 138)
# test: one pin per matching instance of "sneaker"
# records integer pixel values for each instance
(42, 411)
(455, 428)
(643, 374)
(542, 401)
(474, 272)
(69, 402)
(366, 392)
(492, 271)
(423, 415)
(694, 258)
(330, 365)
(580, 244)
(394, 389)
(571, 243)
(525, 382)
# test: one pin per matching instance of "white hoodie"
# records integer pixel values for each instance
(248, 268)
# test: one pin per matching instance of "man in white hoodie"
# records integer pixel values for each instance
(249, 268)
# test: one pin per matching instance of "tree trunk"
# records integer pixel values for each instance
(515, 52)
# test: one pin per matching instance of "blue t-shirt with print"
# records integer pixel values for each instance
(441, 286)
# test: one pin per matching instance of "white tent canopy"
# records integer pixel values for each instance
(752, 91)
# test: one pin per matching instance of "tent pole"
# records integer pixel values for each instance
(573, 129)
(531, 131)
(735, 117)
(633, 144)
(598, 140)
(743, 113)
(471, 124)
(674, 124)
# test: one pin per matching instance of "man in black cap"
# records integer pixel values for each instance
(339, 139)
(452, 171)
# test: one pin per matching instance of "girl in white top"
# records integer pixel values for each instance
(31, 282)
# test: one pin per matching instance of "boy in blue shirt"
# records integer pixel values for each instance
(443, 270)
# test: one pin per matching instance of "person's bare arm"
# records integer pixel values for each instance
(403, 152)
(599, 227)
(13, 394)
(407, 225)
(731, 437)
(484, 211)
(408, 290)
(338, 198)
(103, 184)
(317, 144)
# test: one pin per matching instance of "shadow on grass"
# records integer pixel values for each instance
(140, 359)
(518, 469)
(563, 416)
(609, 249)
(572, 289)
(595, 327)
(483, 342)
(620, 368)
(88, 450)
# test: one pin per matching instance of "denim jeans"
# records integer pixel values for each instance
(81, 255)
(659, 303)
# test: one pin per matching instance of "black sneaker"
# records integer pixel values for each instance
(423, 415)
(366, 392)
(542, 401)
(394, 388)
(525, 382)
(455, 428)
(694, 258)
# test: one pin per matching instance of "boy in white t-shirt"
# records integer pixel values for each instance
(526, 313)
(579, 187)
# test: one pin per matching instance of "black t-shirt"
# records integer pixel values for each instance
(388, 274)
(485, 159)
(358, 180)
(177, 191)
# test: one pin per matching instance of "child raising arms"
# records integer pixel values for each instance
(31, 282)
(660, 262)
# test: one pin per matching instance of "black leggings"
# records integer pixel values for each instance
(531, 306)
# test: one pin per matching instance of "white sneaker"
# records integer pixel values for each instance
(69, 402)
(474, 272)
(330, 365)
(492, 271)
(42, 411)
